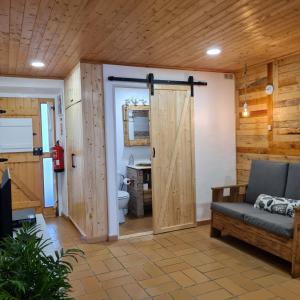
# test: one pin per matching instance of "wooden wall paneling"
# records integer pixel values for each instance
(73, 87)
(86, 139)
(282, 111)
(94, 186)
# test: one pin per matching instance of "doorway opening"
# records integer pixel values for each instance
(132, 122)
(48, 141)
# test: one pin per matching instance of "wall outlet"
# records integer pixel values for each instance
(269, 127)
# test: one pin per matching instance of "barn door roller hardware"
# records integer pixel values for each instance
(151, 81)
(2, 111)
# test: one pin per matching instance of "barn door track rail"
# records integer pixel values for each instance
(151, 81)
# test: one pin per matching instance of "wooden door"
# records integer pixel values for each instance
(25, 168)
(76, 205)
(172, 141)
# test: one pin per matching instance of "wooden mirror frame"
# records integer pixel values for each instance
(139, 142)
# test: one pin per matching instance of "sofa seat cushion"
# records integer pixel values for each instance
(266, 177)
(292, 190)
(234, 210)
(274, 223)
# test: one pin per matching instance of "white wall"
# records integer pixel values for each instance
(214, 132)
(41, 88)
(140, 153)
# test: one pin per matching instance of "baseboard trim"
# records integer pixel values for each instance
(82, 235)
(94, 240)
(134, 235)
(113, 238)
(89, 240)
(204, 222)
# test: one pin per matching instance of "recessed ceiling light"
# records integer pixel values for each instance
(213, 51)
(38, 64)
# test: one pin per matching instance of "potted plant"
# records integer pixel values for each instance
(27, 273)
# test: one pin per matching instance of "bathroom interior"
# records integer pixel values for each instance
(132, 117)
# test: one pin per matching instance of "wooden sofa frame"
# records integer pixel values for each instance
(288, 249)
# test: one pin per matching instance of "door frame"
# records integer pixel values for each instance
(40, 100)
(49, 211)
(115, 186)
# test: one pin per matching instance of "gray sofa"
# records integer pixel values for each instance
(235, 214)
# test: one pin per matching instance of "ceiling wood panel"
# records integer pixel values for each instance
(150, 32)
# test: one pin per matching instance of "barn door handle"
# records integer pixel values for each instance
(72, 158)
(153, 152)
(3, 159)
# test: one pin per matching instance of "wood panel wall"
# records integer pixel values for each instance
(85, 92)
(281, 110)
(94, 181)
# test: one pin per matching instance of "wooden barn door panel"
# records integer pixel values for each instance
(26, 169)
(172, 140)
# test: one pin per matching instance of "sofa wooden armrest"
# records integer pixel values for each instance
(296, 244)
(236, 193)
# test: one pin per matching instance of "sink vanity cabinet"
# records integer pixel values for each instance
(140, 199)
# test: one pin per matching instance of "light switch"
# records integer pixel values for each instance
(269, 127)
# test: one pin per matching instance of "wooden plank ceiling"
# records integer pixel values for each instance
(144, 32)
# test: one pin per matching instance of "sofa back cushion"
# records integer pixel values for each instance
(266, 177)
(292, 190)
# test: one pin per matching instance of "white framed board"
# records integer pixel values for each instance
(16, 135)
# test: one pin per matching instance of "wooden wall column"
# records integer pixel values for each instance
(86, 161)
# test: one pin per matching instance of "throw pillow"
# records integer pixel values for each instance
(277, 205)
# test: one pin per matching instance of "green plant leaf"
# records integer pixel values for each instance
(27, 273)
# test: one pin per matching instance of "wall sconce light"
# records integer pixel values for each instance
(245, 112)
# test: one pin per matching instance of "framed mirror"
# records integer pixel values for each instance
(136, 125)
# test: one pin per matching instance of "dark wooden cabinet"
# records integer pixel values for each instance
(139, 199)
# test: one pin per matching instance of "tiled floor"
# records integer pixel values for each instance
(136, 225)
(184, 265)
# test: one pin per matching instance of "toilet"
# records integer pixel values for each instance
(123, 198)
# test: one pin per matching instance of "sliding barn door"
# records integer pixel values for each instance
(172, 142)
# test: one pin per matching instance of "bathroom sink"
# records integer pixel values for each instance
(143, 165)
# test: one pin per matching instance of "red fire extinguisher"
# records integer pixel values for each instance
(57, 153)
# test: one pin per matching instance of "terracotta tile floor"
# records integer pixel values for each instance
(185, 264)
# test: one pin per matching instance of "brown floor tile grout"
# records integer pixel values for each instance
(185, 263)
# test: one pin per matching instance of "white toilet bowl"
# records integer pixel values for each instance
(123, 198)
